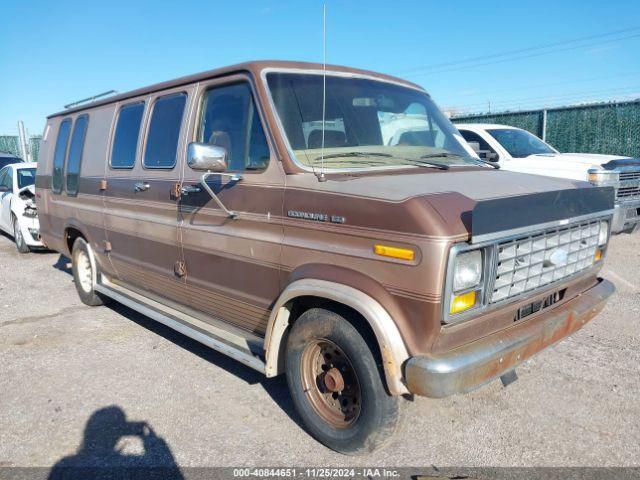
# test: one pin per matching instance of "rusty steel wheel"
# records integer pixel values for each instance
(331, 383)
(337, 383)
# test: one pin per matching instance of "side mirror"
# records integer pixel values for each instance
(206, 157)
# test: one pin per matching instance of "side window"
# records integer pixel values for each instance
(5, 179)
(125, 139)
(9, 179)
(74, 159)
(470, 136)
(230, 120)
(164, 131)
(59, 155)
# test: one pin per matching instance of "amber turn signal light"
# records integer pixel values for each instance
(460, 303)
(598, 256)
(394, 252)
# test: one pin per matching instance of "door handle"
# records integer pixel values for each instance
(141, 187)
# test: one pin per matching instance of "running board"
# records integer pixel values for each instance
(231, 344)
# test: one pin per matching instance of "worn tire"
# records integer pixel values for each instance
(83, 274)
(379, 414)
(21, 245)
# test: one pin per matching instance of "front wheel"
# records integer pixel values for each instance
(21, 245)
(83, 274)
(337, 386)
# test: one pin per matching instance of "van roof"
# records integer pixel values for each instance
(254, 67)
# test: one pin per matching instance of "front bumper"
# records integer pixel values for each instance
(30, 228)
(625, 216)
(465, 368)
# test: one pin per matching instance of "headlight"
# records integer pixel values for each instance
(467, 272)
(603, 236)
(602, 177)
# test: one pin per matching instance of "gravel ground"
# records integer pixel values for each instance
(69, 374)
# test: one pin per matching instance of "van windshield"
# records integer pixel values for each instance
(368, 123)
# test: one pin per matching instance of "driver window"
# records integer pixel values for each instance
(230, 120)
(485, 149)
(7, 179)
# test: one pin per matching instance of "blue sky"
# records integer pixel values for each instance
(52, 53)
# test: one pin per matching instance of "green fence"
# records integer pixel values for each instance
(11, 144)
(611, 128)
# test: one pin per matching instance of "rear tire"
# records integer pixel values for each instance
(83, 274)
(21, 245)
(337, 385)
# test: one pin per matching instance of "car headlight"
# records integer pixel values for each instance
(603, 235)
(602, 177)
(467, 271)
(467, 279)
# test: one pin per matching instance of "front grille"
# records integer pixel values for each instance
(624, 176)
(627, 194)
(529, 262)
(629, 189)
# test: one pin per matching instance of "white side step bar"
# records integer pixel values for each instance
(241, 348)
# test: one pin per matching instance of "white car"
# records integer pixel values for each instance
(520, 151)
(18, 214)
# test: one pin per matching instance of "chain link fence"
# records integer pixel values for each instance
(610, 128)
(11, 144)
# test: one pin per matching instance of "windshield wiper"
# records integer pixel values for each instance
(441, 154)
(354, 154)
(491, 164)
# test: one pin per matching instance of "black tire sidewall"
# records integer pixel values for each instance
(380, 413)
(90, 298)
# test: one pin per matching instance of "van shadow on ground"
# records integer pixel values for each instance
(276, 387)
(107, 452)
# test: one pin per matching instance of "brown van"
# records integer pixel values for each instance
(331, 225)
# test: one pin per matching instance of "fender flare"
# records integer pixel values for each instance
(392, 346)
(72, 223)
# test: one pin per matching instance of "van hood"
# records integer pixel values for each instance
(475, 184)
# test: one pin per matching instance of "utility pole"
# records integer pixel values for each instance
(24, 146)
(544, 125)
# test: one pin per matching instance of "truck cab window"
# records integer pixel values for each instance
(485, 148)
(164, 131)
(125, 140)
(59, 155)
(230, 120)
(75, 154)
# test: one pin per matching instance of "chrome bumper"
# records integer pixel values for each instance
(625, 216)
(470, 366)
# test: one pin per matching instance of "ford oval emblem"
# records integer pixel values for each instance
(559, 257)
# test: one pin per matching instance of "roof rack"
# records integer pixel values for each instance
(89, 99)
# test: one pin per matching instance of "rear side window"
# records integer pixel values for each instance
(59, 155)
(75, 154)
(125, 140)
(164, 131)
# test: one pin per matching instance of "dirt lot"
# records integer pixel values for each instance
(68, 374)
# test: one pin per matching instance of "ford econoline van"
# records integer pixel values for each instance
(330, 225)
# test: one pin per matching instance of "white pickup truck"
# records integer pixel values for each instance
(520, 151)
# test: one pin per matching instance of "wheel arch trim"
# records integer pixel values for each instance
(392, 347)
